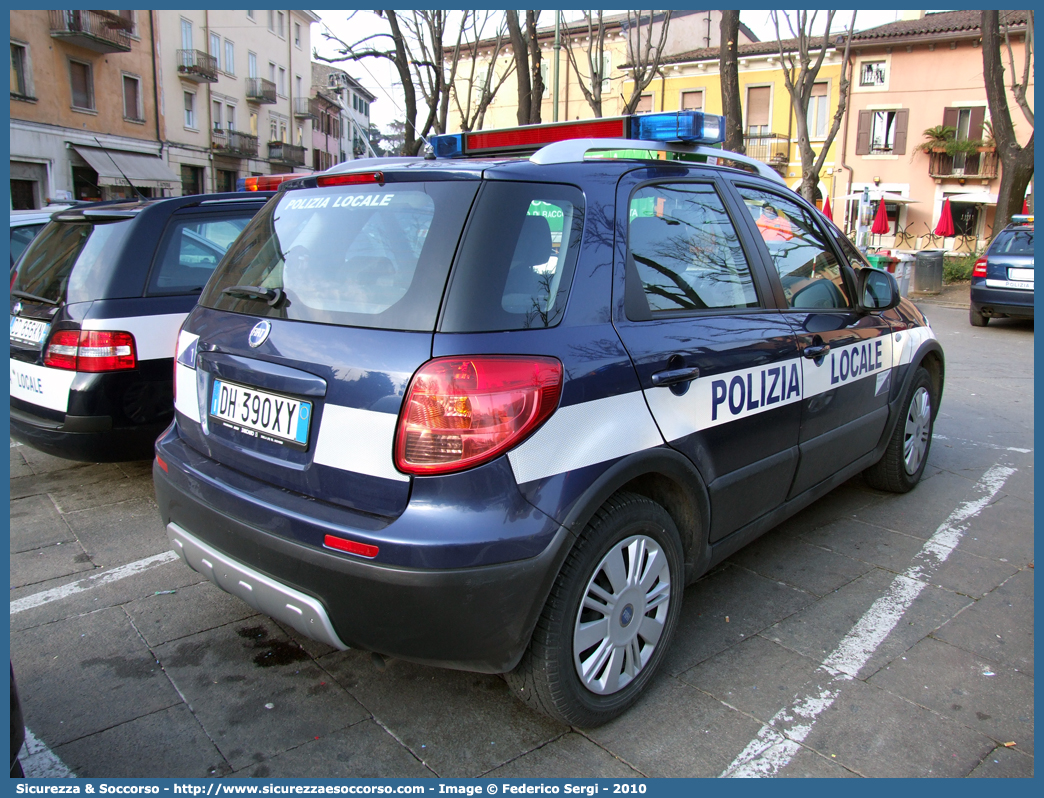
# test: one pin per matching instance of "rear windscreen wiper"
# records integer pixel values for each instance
(34, 297)
(273, 296)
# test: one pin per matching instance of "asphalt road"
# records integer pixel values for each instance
(871, 635)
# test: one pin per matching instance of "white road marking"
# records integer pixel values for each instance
(104, 578)
(777, 743)
(982, 443)
(40, 762)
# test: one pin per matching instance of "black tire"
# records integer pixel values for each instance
(977, 318)
(892, 472)
(547, 678)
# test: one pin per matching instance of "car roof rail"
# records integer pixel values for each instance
(576, 150)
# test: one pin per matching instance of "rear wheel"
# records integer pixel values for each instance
(977, 318)
(904, 460)
(609, 618)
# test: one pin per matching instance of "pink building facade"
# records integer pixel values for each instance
(907, 77)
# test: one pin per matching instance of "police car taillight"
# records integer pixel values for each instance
(979, 269)
(359, 178)
(462, 412)
(91, 351)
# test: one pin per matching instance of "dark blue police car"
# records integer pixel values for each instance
(97, 300)
(495, 409)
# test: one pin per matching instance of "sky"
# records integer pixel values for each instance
(379, 77)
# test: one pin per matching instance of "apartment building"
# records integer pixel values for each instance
(85, 118)
(354, 102)
(235, 87)
(686, 28)
(692, 81)
(922, 72)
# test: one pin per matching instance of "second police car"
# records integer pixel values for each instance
(494, 413)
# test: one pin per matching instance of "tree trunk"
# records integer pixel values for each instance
(730, 90)
(1016, 162)
(521, 54)
(410, 143)
(536, 95)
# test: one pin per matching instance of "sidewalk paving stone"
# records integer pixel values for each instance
(982, 695)
(570, 756)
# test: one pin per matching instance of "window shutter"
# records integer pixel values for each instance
(758, 100)
(863, 133)
(902, 121)
(692, 100)
(819, 90)
(950, 117)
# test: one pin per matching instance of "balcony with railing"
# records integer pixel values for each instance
(281, 152)
(306, 108)
(259, 90)
(770, 148)
(100, 31)
(981, 165)
(197, 66)
(236, 145)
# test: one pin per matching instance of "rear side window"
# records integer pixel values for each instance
(364, 257)
(190, 250)
(21, 236)
(70, 260)
(685, 251)
(517, 258)
(1014, 242)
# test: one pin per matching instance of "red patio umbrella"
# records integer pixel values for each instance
(1025, 207)
(827, 210)
(945, 226)
(881, 225)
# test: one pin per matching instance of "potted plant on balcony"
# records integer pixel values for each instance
(936, 138)
(988, 144)
(966, 146)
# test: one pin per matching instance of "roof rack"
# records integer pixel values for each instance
(576, 150)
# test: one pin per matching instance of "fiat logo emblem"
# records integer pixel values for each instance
(259, 334)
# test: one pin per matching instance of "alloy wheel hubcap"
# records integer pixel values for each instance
(622, 615)
(915, 442)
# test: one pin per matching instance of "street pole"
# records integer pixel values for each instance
(862, 229)
(558, 48)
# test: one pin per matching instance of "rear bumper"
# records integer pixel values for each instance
(471, 618)
(1002, 301)
(90, 439)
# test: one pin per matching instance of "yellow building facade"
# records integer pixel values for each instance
(692, 81)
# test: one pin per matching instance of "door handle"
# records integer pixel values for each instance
(662, 379)
(815, 352)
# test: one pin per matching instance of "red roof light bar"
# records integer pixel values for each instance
(531, 136)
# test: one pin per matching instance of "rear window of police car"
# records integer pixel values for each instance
(1013, 242)
(70, 261)
(379, 256)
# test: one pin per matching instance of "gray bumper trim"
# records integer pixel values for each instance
(304, 613)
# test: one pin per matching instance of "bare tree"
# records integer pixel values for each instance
(595, 79)
(526, 48)
(645, 46)
(416, 45)
(728, 62)
(480, 86)
(1016, 161)
(800, 70)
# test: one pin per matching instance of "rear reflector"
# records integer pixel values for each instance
(460, 413)
(350, 546)
(160, 462)
(979, 269)
(350, 180)
(91, 351)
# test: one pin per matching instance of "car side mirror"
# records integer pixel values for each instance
(878, 290)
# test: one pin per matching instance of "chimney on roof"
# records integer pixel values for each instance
(908, 15)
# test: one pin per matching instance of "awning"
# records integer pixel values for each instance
(144, 171)
(875, 196)
(974, 198)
